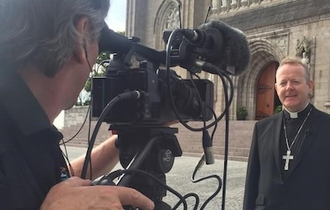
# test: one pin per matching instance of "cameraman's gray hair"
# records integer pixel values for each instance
(43, 31)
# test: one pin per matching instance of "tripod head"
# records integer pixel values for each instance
(151, 149)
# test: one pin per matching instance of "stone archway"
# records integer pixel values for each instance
(167, 17)
(263, 53)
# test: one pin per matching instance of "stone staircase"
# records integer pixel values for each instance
(240, 134)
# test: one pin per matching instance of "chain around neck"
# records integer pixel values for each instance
(295, 138)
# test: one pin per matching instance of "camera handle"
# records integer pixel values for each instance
(154, 153)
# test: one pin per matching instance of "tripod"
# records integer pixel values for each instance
(151, 149)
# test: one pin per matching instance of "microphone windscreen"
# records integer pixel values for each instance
(235, 58)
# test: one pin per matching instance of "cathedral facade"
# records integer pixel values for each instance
(274, 29)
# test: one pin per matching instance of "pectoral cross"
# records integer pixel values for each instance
(287, 158)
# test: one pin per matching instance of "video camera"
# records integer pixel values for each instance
(154, 106)
(161, 96)
(192, 98)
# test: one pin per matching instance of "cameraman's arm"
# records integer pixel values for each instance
(104, 158)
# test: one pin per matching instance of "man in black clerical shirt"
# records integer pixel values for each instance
(47, 48)
(289, 160)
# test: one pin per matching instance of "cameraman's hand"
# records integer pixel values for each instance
(76, 193)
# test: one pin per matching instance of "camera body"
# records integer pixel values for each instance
(154, 107)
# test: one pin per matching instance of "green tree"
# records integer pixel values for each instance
(121, 32)
(104, 56)
(241, 113)
(100, 70)
(102, 59)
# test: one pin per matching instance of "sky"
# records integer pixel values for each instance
(116, 18)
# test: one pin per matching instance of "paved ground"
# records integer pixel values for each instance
(180, 175)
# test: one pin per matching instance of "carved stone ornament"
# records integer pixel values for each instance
(172, 20)
(303, 50)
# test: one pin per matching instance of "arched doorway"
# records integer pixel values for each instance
(266, 97)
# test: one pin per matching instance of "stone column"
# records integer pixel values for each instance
(244, 2)
(215, 5)
(233, 4)
(327, 103)
(224, 5)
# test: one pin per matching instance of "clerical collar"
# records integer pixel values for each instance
(301, 113)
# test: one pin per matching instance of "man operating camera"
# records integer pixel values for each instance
(47, 48)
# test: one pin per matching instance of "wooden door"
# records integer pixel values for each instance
(266, 92)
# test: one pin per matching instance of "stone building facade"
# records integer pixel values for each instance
(274, 29)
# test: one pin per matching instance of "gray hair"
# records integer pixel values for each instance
(299, 61)
(43, 32)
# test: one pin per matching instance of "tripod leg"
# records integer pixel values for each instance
(137, 161)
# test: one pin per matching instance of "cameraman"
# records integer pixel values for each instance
(47, 48)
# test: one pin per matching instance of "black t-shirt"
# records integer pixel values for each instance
(31, 161)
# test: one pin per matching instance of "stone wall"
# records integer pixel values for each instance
(273, 29)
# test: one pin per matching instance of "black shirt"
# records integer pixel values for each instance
(293, 126)
(31, 161)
